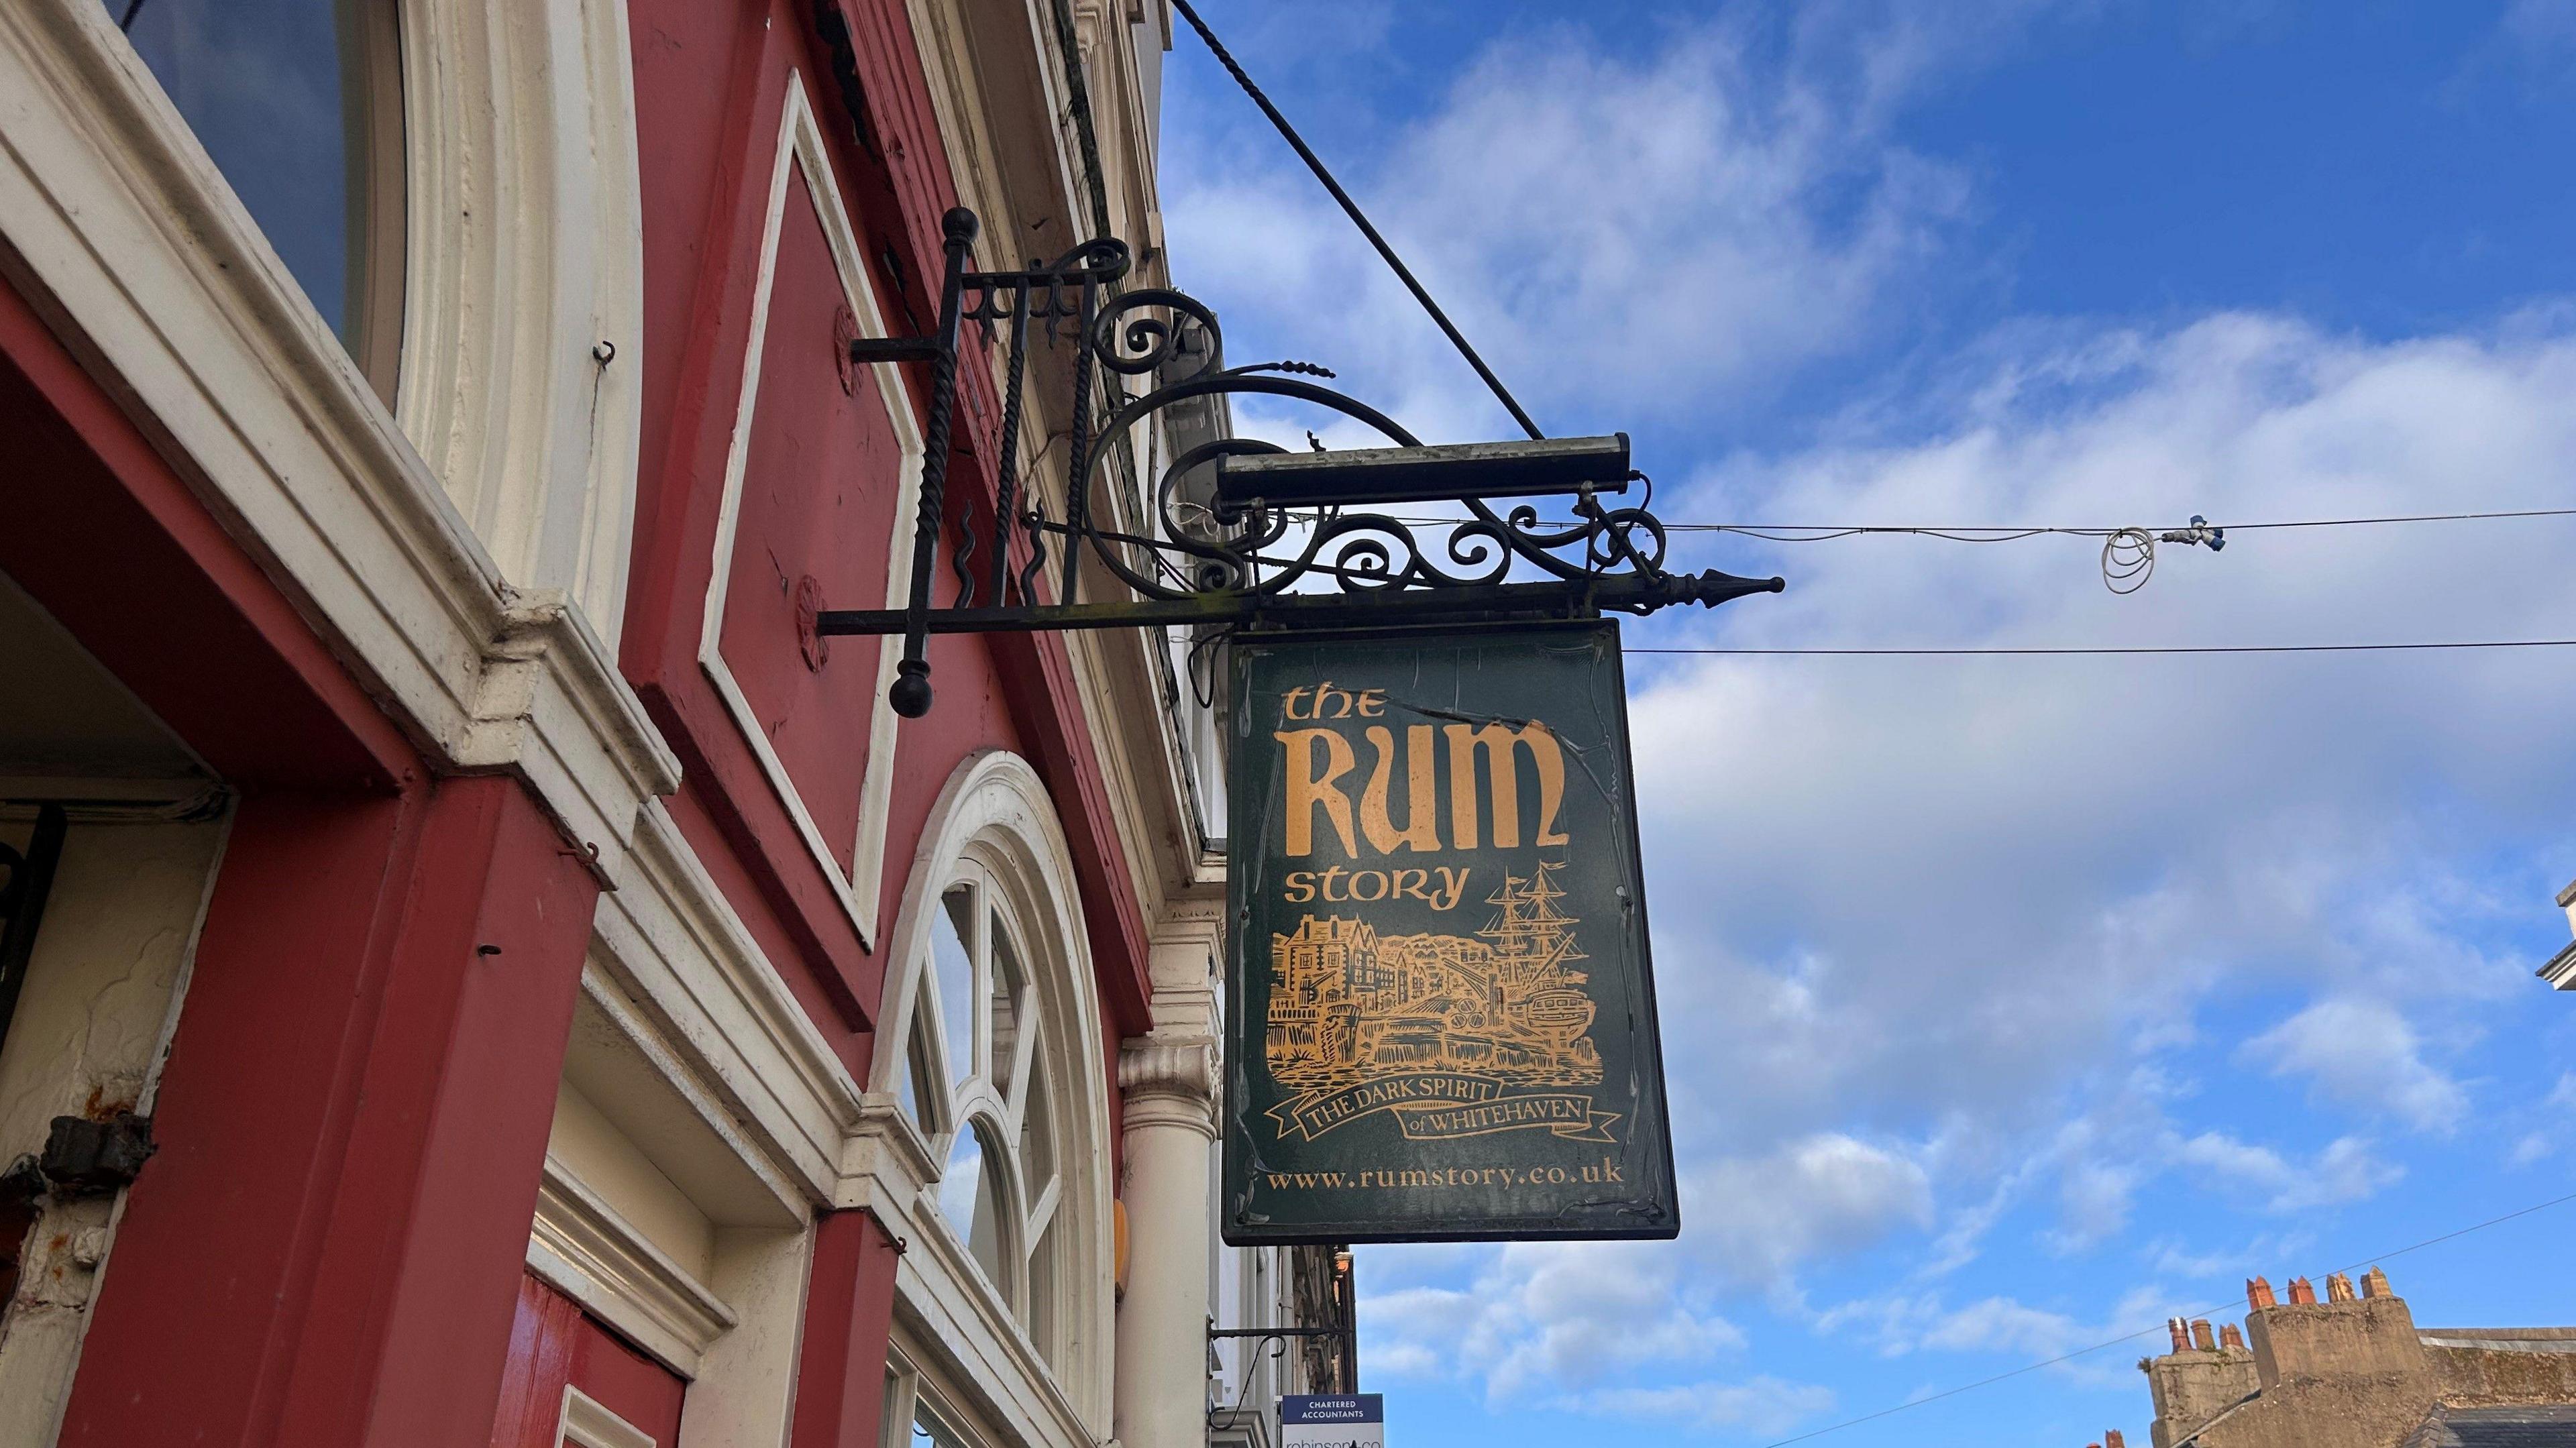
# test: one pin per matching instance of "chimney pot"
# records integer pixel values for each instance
(2258, 1292)
(2181, 1334)
(2374, 1283)
(2339, 1288)
(2229, 1336)
(2111, 1439)
(2303, 1293)
(2200, 1337)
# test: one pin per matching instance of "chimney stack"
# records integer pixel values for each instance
(2374, 1283)
(2200, 1337)
(2229, 1336)
(2258, 1292)
(2339, 1288)
(2303, 1293)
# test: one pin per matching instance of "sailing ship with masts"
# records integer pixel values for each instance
(1349, 1005)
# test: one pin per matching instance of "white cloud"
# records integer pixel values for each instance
(2542, 28)
(1901, 1324)
(2362, 1051)
(1539, 1318)
(1895, 889)
(1764, 1404)
(2346, 1170)
(1752, 1220)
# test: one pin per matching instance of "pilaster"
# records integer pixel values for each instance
(1168, 1080)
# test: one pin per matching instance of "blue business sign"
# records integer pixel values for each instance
(1342, 1420)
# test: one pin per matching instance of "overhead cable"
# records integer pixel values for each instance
(2008, 533)
(1351, 209)
(2003, 650)
(2128, 553)
(2014, 533)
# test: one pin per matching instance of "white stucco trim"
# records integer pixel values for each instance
(525, 255)
(581, 1245)
(585, 1423)
(676, 948)
(800, 145)
(121, 229)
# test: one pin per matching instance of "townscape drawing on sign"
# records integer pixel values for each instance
(1349, 1006)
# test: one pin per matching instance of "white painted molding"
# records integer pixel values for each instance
(122, 230)
(859, 888)
(585, 1423)
(581, 1245)
(673, 943)
(526, 253)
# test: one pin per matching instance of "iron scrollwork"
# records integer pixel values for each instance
(1205, 560)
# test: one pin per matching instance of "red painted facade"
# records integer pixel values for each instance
(329, 1247)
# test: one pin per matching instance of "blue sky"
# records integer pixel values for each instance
(2011, 1004)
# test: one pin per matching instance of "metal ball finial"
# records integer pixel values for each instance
(910, 694)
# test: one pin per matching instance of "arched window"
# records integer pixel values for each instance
(974, 1079)
(300, 104)
(993, 1059)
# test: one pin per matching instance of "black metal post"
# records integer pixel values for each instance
(1077, 497)
(910, 693)
(31, 879)
(1006, 484)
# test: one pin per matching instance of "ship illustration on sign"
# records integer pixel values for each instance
(1350, 1007)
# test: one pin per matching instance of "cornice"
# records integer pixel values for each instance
(2560, 972)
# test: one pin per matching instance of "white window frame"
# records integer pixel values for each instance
(995, 811)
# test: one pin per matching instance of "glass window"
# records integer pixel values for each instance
(952, 965)
(299, 102)
(1009, 995)
(928, 1431)
(986, 1103)
(911, 1086)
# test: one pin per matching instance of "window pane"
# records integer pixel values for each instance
(1010, 995)
(986, 1242)
(299, 102)
(952, 969)
(1037, 1128)
(929, 1432)
(911, 1077)
(1039, 1319)
(969, 1200)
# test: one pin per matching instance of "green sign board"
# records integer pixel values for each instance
(1440, 1014)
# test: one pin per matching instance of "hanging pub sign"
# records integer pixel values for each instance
(1440, 1011)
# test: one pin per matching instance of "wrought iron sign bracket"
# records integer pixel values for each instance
(1241, 533)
